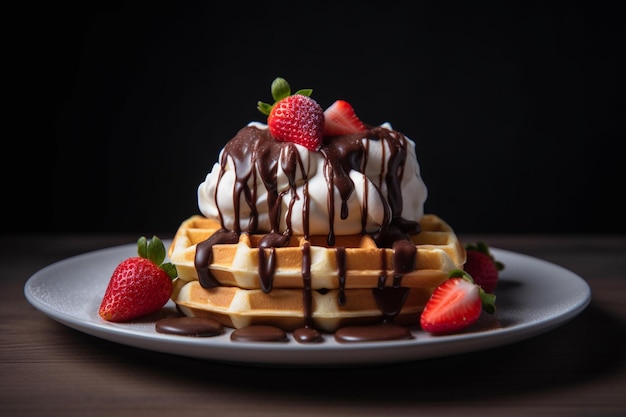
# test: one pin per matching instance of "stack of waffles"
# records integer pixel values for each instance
(312, 283)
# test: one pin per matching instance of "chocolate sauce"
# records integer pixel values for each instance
(190, 326)
(372, 333)
(267, 264)
(204, 256)
(259, 333)
(390, 301)
(255, 154)
(307, 335)
(404, 258)
(340, 254)
(307, 294)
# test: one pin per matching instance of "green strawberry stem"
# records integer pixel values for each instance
(280, 89)
(154, 251)
(488, 300)
(484, 248)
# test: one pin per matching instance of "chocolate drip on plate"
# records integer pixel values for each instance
(190, 326)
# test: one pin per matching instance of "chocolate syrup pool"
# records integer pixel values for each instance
(203, 327)
(255, 152)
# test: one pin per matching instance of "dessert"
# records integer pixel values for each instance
(313, 222)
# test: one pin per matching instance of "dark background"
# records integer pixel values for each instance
(517, 109)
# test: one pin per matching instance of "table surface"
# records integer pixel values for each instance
(577, 369)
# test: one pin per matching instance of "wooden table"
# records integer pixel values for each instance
(577, 369)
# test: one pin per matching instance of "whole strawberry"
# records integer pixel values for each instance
(140, 285)
(455, 304)
(482, 266)
(294, 118)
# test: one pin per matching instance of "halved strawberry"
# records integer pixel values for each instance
(341, 119)
(455, 304)
(294, 118)
(482, 266)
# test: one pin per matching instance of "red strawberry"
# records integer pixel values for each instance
(340, 119)
(294, 118)
(140, 285)
(455, 304)
(297, 119)
(482, 266)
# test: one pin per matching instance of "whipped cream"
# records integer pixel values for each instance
(356, 183)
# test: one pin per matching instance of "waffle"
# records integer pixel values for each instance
(352, 299)
(236, 307)
(438, 252)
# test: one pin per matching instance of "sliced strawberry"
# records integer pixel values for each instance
(482, 266)
(340, 119)
(455, 304)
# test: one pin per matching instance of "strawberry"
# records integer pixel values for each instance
(482, 266)
(140, 285)
(455, 304)
(294, 118)
(340, 119)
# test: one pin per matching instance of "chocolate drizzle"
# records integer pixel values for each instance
(307, 296)
(256, 155)
(204, 255)
(340, 254)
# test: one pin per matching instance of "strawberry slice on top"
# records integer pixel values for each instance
(341, 119)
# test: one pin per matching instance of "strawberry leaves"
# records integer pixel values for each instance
(280, 89)
(154, 250)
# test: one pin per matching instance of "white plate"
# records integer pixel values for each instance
(533, 297)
